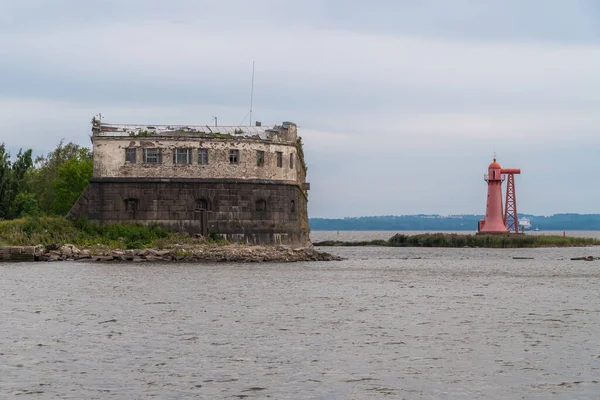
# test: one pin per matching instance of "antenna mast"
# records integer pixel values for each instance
(252, 93)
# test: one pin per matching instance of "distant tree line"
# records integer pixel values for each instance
(421, 222)
(397, 223)
(46, 185)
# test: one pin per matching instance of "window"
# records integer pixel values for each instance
(182, 156)
(130, 155)
(234, 156)
(203, 156)
(261, 205)
(260, 158)
(131, 205)
(152, 156)
(293, 206)
(201, 205)
(291, 160)
(280, 159)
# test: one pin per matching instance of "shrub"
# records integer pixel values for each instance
(25, 205)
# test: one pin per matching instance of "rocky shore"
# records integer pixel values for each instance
(197, 253)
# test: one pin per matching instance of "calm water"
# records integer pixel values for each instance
(387, 323)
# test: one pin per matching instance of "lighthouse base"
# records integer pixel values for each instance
(491, 226)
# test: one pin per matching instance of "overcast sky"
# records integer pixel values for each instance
(401, 104)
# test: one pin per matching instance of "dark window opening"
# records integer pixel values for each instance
(261, 205)
(234, 156)
(201, 205)
(130, 155)
(260, 158)
(292, 160)
(131, 205)
(152, 156)
(293, 206)
(203, 156)
(182, 156)
(280, 159)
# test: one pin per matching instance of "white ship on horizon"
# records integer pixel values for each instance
(524, 223)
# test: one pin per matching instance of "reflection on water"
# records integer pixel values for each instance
(385, 323)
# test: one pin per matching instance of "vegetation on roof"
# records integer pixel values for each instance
(300, 151)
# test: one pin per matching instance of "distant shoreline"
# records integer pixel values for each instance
(459, 223)
(558, 232)
(454, 240)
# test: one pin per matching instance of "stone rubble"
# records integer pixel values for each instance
(197, 253)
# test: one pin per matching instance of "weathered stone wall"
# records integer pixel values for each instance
(232, 206)
(109, 159)
(20, 253)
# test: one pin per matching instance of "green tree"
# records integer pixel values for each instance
(25, 205)
(43, 179)
(72, 178)
(5, 182)
(20, 167)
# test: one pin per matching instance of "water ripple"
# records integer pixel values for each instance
(385, 323)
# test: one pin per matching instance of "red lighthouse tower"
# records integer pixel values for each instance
(496, 220)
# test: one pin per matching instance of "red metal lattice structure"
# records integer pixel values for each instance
(511, 220)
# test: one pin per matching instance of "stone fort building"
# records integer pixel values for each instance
(244, 183)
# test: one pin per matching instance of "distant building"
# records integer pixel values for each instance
(242, 183)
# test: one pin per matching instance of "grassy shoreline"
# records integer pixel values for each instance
(57, 239)
(455, 240)
(50, 230)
